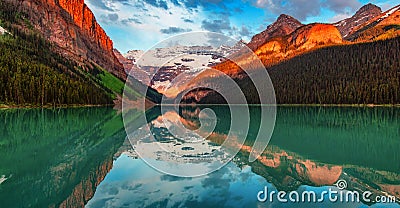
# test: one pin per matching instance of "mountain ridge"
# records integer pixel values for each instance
(384, 26)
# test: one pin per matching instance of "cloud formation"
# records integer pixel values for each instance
(174, 30)
(131, 20)
(107, 5)
(302, 9)
(218, 25)
(134, 24)
(157, 3)
(100, 4)
(341, 6)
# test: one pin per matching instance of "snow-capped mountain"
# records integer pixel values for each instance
(134, 55)
(162, 67)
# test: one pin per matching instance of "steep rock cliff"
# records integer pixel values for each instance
(73, 28)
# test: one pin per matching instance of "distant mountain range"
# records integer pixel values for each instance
(160, 66)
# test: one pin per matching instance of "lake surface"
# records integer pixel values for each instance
(81, 157)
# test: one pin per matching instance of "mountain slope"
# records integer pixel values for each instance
(71, 26)
(352, 74)
(31, 74)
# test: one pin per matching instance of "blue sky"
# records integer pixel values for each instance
(140, 24)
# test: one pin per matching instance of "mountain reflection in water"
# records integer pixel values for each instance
(73, 157)
(311, 149)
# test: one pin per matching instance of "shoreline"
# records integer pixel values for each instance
(296, 105)
(4, 107)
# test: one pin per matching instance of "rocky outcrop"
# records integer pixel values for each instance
(277, 49)
(84, 19)
(127, 63)
(302, 40)
(313, 35)
(73, 28)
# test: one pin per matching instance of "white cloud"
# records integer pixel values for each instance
(339, 17)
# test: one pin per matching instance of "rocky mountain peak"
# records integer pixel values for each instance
(284, 21)
(283, 26)
(363, 15)
(286, 18)
(372, 8)
(381, 27)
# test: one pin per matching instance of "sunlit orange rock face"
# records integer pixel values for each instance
(277, 49)
(313, 35)
(392, 189)
(73, 29)
(392, 19)
(270, 47)
(84, 18)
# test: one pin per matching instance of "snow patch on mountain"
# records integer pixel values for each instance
(3, 31)
(390, 12)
